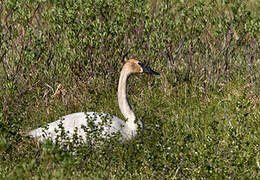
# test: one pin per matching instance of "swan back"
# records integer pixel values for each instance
(81, 124)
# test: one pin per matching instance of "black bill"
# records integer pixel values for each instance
(147, 69)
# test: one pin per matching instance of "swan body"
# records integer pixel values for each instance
(80, 123)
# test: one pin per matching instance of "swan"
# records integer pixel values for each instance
(79, 123)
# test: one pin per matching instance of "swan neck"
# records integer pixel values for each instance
(123, 102)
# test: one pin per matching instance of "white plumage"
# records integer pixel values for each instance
(82, 124)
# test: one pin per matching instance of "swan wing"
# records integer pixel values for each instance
(82, 124)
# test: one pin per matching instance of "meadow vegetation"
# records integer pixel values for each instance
(202, 114)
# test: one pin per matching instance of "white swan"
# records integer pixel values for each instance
(80, 122)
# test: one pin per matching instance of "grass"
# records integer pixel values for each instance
(201, 114)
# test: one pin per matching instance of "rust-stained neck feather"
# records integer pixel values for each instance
(132, 66)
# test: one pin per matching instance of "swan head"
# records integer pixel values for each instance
(136, 66)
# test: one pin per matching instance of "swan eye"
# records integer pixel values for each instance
(140, 64)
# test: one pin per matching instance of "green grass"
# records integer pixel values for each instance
(202, 114)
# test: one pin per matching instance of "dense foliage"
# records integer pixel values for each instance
(202, 114)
